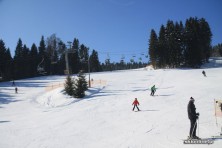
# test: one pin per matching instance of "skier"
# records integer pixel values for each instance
(204, 73)
(13, 83)
(16, 90)
(193, 116)
(136, 103)
(153, 90)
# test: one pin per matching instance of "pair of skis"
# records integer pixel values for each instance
(190, 140)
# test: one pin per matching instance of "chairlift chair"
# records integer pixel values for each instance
(40, 69)
(54, 62)
(132, 60)
(123, 57)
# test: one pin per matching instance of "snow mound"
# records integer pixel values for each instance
(58, 98)
(149, 67)
(55, 98)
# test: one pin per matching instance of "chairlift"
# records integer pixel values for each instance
(108, 57)
(53, 56)
(132, 60)
(82, 60)
(107, 60)
(40, 69)
(53, 62)
(123, 57)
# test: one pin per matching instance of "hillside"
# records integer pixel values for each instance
(38, 117)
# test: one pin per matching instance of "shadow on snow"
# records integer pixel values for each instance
(6, 99)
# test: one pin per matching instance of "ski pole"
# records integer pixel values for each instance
(198, 128)
(194, 127)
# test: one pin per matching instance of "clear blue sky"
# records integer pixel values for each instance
(115, 27)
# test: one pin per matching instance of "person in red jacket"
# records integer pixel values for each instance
(136, 103)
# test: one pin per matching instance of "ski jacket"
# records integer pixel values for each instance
(153, 88)
(191, 109)
(136, 102)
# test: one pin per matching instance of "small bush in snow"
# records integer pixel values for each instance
(80, 86)
(69, 86)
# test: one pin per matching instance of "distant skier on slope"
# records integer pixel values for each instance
(136, 103)
(13, 83)
(153, 90)
(204, 73)
(16, 90)
(193, 116)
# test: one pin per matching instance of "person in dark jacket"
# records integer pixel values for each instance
(13, 83)
(193, 116)
(16, 90)
(204, 73)
(136, 103)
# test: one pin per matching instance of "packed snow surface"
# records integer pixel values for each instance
(38, 117)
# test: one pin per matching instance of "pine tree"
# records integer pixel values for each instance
(26, 62)
(80, 86)
(42, 48)
(34, 60)
(84, 57)
(205, 39)
(94, 62)
(153, 48)
(9, 65)
(69, 85)
(193, 52)
(178, 45)
(5, 62)
(61, 58)
(74, 60)
(171, 44)
(162, 48)
(18, 61)
(44, 60)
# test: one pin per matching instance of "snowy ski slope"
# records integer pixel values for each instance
(41, 118)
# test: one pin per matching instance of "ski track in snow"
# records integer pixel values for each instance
(34, 118)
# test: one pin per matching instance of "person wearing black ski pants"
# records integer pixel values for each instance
(193, 116)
